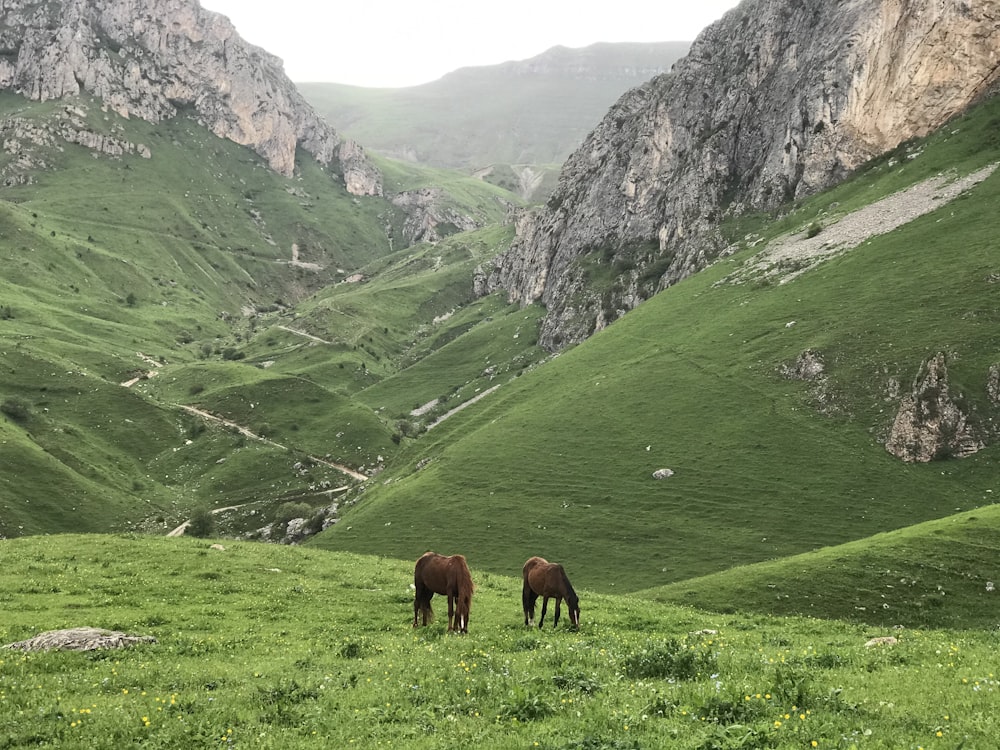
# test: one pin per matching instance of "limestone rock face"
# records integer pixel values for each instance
(929, 424)
(778, 99)
(428, 216)
(153, 59)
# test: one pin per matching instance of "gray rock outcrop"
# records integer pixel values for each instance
(154, 59)
(80, 639)
(929, 423)
(428, 217)
(777, 100)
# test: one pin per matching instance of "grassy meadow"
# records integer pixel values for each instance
(265, 647)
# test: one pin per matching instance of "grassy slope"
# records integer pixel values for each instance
(560, 461)
(110, 263)
(938, 573)
(289, 647)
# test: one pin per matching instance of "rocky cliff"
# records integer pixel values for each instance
(155, 58)
(778, 99)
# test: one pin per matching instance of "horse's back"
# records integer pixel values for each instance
(543, 577)
(442, 573)
(531, 564)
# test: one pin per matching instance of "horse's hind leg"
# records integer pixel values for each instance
(528, 598)
(422, 605)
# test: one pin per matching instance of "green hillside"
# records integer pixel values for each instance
(561, 459)
(134, 285)
(288, 647)
(939, 573)
(137, 300)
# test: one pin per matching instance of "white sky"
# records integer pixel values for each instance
(409, 42)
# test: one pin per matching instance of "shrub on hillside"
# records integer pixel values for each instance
(16, 409)
(202, 523)
(287, 511)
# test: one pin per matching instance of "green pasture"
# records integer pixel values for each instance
(264, 646)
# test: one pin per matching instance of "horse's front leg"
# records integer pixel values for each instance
(558, 605)
(451, 612)
(545, 606)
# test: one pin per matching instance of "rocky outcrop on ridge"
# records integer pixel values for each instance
(428, 217)
(154, 59)
(778, 99)
(930, 424)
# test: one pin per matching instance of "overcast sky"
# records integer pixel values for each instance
(405, 43)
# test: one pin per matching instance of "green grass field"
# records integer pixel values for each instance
(265, 647)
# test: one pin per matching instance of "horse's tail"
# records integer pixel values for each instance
(465, 588)
(464, 579)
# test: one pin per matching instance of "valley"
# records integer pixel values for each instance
(737, 369)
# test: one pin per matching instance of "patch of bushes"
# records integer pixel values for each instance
(202, 523)
(287, 511)
(15, 408)
(670, 660)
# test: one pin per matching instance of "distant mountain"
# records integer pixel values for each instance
(532, 113)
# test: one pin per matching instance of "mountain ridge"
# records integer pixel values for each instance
(154, 58)
(528, 114)
(774, 102)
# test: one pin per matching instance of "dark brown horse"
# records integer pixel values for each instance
(438, 574)
(545, 579)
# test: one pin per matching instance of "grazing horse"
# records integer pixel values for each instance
(545, 579)
(438, 574)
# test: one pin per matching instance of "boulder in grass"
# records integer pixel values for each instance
(80, 639)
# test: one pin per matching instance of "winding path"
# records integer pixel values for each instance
(254, 436)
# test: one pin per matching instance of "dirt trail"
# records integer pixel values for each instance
(179, 531)
(461, 406)
(305, 335)
(789, 256)
(254, 436)
(146, 375)
(227, 423)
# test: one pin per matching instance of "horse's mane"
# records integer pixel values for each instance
(571, 598)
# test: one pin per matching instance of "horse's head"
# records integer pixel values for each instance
(573, 604)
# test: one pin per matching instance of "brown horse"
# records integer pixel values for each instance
(438, 574)
(545, 579)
